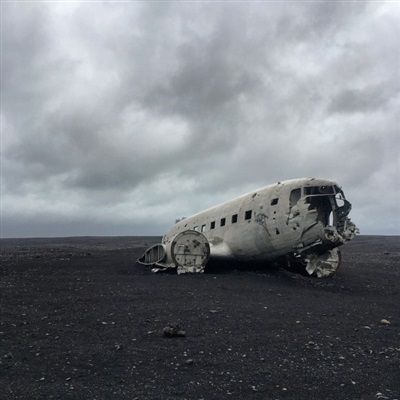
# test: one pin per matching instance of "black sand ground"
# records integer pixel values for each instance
(81, 320)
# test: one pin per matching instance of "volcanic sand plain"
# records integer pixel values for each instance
(80, 319)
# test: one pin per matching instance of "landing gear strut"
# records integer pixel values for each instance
(321, 265)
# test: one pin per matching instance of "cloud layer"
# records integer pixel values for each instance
(117, 118)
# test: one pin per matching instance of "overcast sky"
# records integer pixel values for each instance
(116, 118)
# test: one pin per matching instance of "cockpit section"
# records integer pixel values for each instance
(322, 208)
(327, 202)
(318, 217)
(319, 199)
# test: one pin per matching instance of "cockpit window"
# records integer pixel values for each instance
(339, 198)
(295, 195)
(318, 190)
(337, 189)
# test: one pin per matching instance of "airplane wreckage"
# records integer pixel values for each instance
(299, 223)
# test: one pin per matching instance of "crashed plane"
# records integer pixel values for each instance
(299, 223)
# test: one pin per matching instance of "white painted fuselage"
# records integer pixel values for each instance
(264, 224)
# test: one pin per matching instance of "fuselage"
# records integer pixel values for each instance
(276, 220)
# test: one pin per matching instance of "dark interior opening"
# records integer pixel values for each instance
(323, 207)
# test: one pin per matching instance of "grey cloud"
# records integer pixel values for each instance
(127, 111)
(370, 98)
(317, 20)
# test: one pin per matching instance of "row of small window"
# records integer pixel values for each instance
(222, 222)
